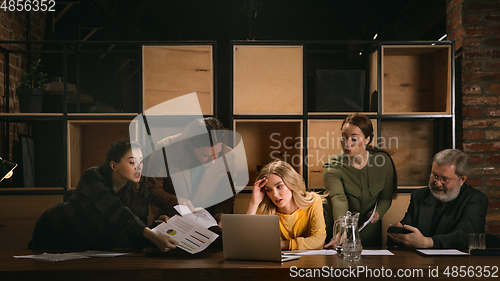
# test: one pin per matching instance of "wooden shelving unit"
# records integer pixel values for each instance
(165, 70)
(407, 93)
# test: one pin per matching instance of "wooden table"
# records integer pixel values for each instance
(210, 265)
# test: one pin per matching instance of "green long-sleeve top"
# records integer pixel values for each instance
(357, 190)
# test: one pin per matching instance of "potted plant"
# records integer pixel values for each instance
(29, 91)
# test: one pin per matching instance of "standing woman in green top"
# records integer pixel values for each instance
(358, 178)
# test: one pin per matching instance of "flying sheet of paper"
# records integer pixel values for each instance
(376, 253)
(200, 217)
(370, 218)
(311, 252)
(190, 237)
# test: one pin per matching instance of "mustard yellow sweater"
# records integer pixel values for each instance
(304, 228)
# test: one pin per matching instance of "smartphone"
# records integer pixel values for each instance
(397, 229)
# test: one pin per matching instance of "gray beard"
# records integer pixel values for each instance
(448, 195)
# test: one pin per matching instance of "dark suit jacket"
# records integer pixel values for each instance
(465, 214)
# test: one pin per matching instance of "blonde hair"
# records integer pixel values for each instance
(293, 180)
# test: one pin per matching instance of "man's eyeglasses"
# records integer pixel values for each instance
(442, 180)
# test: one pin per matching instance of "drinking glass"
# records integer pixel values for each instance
(477, 241)
(352, 249)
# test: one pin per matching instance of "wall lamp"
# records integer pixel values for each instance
(6, 169)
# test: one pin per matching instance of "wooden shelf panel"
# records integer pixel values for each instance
(18, 215)
(411, 146)
(173, 71)
(416, 79)
(324, 138)
(273, 139)
(268, 79)
(88, 142)
(241, 203)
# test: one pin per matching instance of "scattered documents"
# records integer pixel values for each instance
(445, 252)
(71, 256)
(376, 253)
(101, 254)
(190, 231)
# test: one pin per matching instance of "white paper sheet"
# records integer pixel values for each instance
(200, 217)
(311, 252)
(190, 237)
(370, 218)
(376, 253)
(444, 252)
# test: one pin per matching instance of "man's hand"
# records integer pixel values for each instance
(187, 202)
(162, 218)
(415, 239)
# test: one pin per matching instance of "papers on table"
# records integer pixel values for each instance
(190, 236)
(376, 253)
(311, 252)
(71, 256)
(370, 218)
(444, 252)
(101, 254)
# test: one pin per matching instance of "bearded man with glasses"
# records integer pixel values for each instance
(442, 215)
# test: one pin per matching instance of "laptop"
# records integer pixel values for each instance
(252, 237)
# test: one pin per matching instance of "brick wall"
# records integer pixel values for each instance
(13, 27)
(474, 25)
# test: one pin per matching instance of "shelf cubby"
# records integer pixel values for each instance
(416, 79)
(170, 71)
(411, 145)
(267, 79)
(270, 139)
(88, 142)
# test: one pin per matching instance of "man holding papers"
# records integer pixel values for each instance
(195, 170)
(442, 215)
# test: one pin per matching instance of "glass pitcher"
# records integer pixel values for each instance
(351, 243)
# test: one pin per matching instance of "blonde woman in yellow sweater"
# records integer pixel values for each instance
(280, 190)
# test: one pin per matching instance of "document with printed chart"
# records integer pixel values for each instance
(189, 231)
